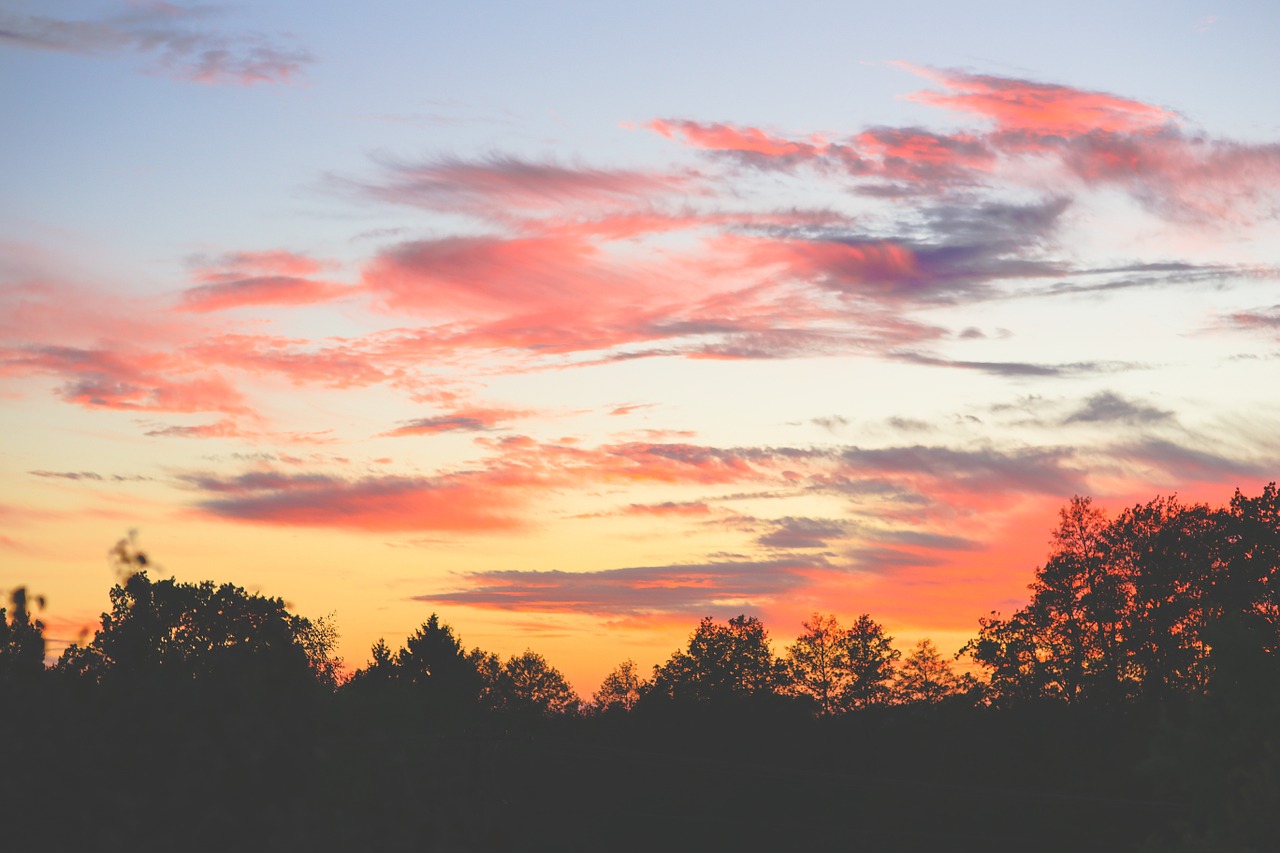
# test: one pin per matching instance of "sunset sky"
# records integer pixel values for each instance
(575, 323)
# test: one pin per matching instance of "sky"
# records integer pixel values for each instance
(577, 322)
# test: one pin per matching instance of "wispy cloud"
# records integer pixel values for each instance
(180, 40)
(695, 588)
(385, 504)
(247, 279)
(463, 420)
(1107, 407)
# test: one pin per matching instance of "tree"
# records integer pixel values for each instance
(433, 660)
(926, 677)
(620, 689)
(22, 643)
(530, 685)
(730, 661)
(186, 632)
(817, 665)
(842, 668)
(869, 658)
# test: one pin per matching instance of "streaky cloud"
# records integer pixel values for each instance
(182, 44)
(1109, 407)
(675, 589)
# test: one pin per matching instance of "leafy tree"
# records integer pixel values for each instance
(1126, 608)
(620, 689)
(434, 661)
(1162, 553)
(869, 658)
(530, 685)
(816, 662)
(926, 677)
(727, 661)
(842, 668)
(22, 643)
(187, 632)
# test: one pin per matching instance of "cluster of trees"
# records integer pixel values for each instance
(434, 667)
(1150, 605)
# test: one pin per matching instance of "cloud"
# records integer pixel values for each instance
(457, 502)
(485, 186)
(90, 475)
(68, 475)
(177, 38)
(1265, 319)
(1109, 407)
(669, 508)
(258, 278)
(1096, 138)
(130, 381)
(226, 428)
(1014, 368)
(463, 420)
(831, 423)
(695, 588)
(1033, 469)
(1043, 108)
(794, 532)
(630, 408)
(1181, 464)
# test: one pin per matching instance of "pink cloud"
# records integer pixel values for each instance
(489, 275)
(1042, 108)
(340, 364)
(139, 381)
(746, 140)
(258, 278)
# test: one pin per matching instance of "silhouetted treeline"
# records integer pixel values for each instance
(1130, 705)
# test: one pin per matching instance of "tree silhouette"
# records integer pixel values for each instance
(22, 645)
(529, 685)
(842, 668)
(727, 661)
(620, 689)
(869, 657)
(187, 632)
(926, 677)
